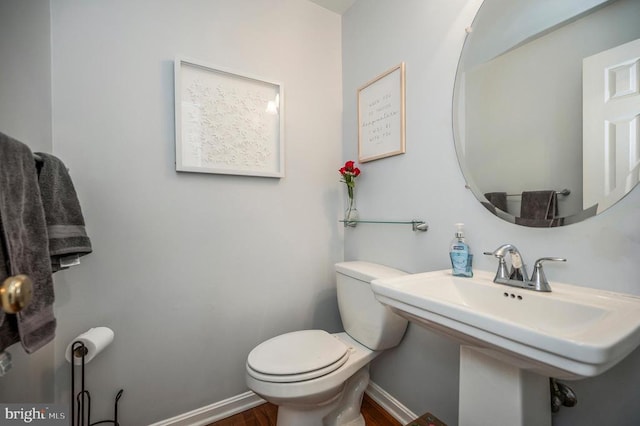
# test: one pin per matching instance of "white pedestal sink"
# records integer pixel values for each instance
(513, 340)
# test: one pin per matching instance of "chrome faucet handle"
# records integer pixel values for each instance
(538, 279)
(502, 272)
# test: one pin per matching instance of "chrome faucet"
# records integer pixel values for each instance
(517, 276)
(518, 270)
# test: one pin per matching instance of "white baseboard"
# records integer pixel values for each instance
(214, 412)
(239, 403)
(390, 404)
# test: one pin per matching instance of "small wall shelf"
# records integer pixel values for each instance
(416, 225)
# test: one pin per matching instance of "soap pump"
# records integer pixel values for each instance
(460, 254)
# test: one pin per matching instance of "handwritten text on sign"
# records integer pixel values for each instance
(380, 116)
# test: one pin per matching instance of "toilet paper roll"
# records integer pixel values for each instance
(95, 340)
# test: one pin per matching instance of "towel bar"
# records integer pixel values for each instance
(565, 192)
(416, 225)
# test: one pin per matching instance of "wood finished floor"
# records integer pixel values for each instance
(265, 415)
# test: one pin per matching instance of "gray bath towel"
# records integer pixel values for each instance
(540, 223)
(539, 205)
(25, 246)
(65, 223)
(497, 199)
(539, 209)
(8, 325)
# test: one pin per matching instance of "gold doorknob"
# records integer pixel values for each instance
(15, 293)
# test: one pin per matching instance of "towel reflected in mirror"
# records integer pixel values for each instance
(497, 200)
(539, 209)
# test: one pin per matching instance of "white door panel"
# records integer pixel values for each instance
(611, 124)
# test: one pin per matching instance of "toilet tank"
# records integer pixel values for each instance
(363, 317)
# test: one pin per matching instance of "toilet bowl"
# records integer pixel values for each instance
(317, 378)
(303, 401)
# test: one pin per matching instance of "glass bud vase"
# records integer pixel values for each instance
(351, 215)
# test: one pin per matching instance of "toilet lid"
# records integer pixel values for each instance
(308, 354)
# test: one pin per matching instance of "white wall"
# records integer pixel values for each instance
(191, 271)
(25, 114)
(426, 183)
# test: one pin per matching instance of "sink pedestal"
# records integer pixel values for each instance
(493, 392)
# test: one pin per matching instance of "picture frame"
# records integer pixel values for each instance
(381, 116)
(227, 122)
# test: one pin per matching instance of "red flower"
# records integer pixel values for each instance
(349, 173)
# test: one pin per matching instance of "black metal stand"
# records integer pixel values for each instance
(83, 399)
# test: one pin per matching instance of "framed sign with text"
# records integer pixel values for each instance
(381, 116)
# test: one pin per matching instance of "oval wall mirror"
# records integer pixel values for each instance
(546, 108)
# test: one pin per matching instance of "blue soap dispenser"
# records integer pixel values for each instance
(461, 257)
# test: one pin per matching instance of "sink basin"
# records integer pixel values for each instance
(571, 333)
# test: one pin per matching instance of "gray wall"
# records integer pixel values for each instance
(25, 114)
(426, 183)
(191, 271)
(519, 22)
(25, 73)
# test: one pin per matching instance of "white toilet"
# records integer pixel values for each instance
(317, 378)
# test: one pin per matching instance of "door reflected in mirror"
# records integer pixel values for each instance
(546, 107)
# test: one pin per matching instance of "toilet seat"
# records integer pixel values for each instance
(297, 356)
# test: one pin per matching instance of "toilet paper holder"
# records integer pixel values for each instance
(82, 400)
(80, 351)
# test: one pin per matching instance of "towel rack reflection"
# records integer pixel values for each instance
(416, 225)
(564, 192)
